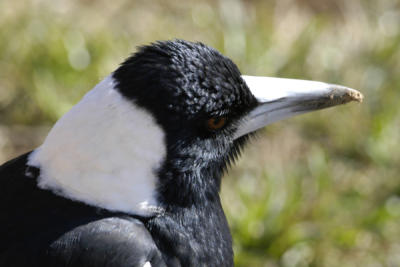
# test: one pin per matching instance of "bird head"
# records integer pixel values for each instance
(207, 109)
(164, 127)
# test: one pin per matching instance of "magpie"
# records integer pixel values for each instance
(131, 175)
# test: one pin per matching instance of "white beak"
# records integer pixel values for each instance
(283, 98)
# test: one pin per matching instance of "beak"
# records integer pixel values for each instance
(283, 98)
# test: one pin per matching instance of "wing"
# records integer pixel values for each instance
(108, 242)
(39, 228)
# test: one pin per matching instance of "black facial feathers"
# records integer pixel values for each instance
(184, 84)
(183, 79)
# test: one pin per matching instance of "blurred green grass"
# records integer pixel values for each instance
(318, 190)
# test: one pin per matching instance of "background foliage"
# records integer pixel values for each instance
(318, 190)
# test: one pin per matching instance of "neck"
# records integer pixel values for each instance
(194, 219)
(200, 234)
(184, 185)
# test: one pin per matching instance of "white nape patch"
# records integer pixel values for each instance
(103, 152)
(147, 264)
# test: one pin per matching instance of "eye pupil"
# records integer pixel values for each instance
(216, 123)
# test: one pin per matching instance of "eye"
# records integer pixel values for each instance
(216, 123)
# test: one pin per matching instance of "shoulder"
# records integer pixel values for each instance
(115, 241)
(17, 175)
(14, 166)
(107, 242)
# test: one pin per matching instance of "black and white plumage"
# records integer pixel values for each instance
(131, 175)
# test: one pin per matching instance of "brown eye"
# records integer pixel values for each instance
(216, 123)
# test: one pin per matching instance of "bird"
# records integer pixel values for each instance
(131, 175)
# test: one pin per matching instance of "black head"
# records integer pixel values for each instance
(198, 97)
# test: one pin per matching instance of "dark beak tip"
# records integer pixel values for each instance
(343, 95)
